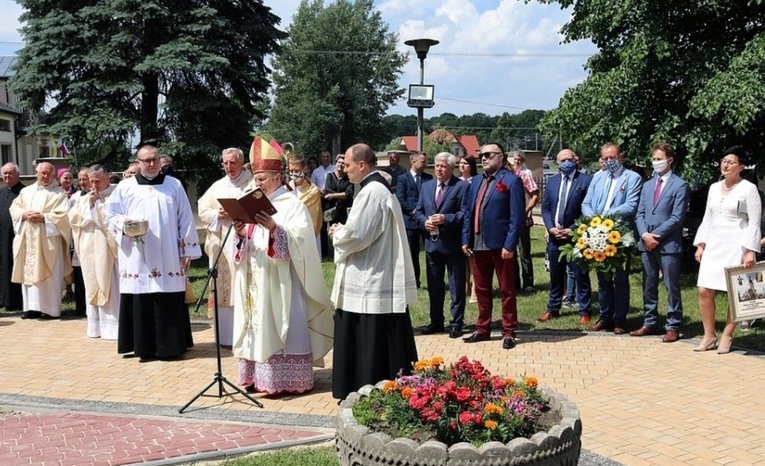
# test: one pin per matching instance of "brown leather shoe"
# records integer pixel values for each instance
(671, 336)
(644, 330)
(600, 325)
(619, 329)
(547, 316)
(585, 319)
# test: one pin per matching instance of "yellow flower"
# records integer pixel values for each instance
(492, 408)
(582, 228)
(587, 253)
(491, 425)
(389, 386)
(611, 250)
(607, 224)
(421, 365)
(580, 244)
(436, 361)
(508, 381)
(595, 222)
(530, 382)
(406, 392)
(599, 256)
(614, 237)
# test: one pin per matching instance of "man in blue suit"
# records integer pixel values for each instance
(561, 207)
(408, 193)
(659, 221)
(494, 212)
(616, 191)
(439, 215)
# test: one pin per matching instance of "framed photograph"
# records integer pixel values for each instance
(746, 291)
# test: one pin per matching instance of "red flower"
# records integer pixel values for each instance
(501, 187)
(465, 417)
(463, 394)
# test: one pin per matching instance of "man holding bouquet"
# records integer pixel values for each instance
(616, 192)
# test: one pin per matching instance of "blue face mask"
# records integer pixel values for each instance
(567, 167)
(613, 165)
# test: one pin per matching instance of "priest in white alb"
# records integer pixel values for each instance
(97, 253)
(41, 246)
(217, 223)
(283, 315)
(154, 320)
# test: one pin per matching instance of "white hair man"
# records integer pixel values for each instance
(216, 220)
(10, 293)
(41, 246)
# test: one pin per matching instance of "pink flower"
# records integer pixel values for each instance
(465, 417)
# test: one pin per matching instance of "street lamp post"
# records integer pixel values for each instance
(421, 46)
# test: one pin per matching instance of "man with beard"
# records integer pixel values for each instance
(495, 212)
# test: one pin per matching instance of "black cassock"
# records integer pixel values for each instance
(10, 293)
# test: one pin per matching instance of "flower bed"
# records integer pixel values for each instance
(457, 415)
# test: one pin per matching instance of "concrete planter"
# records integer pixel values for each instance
(359, 446)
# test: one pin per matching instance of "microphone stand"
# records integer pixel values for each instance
(218, 378)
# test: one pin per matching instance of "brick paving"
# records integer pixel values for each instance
(642, 402)
(84, 438)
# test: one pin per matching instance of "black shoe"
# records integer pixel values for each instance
(250, 389)
(31, 315)
(455, 332)
(528, 289)
(567, 302)
(431, 329)
(476, 337)
(508, 343)
(44, 316)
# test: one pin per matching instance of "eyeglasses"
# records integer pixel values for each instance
(489, 155)
(728, 162)
(149, 161)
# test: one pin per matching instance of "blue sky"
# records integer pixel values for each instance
(493, 56)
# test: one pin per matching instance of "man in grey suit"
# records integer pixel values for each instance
(616, 191)
(659, 221)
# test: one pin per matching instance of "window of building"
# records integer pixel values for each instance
(5, 125)
(7, 155)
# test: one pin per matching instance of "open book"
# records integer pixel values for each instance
(247, 206)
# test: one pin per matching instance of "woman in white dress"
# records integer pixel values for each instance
(729, 235)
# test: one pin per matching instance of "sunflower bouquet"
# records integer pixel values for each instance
(600, 243)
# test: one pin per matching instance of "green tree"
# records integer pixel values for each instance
(689, 73)
(335, 77)
(186, 74)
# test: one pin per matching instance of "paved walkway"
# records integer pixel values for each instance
(642, 402)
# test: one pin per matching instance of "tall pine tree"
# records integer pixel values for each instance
(186, 74)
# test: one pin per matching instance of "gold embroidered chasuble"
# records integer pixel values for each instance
(95, 247)
(35, 247)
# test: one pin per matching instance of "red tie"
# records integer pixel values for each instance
(657, 191)
(439, 194)
(479, 201)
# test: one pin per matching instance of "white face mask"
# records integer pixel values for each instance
(659, 165)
